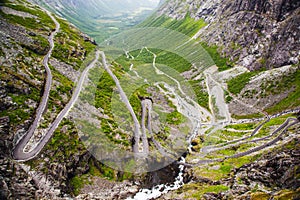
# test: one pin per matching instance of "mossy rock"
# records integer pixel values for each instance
(260, 196)
(287, 194)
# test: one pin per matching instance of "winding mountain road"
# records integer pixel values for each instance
(18, 151)
(147, 106)
(282, 128)
(208, 149)
(137, 126)
(289, 122)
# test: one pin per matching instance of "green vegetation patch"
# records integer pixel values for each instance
(70, 46)
(110, 129)
(103, 94)
(190, 27)
(135, 100)
(245, 126)
(227, 96)
(64, 144)
(21, 111)
(292, 81)
(249, 116)
(236, 84)
(27, 22)
(201, 94)
(287, 194)
(223, 63)
(196, 190)
(224, 167)
(260, 196)
(56, 94)
(187, 25)
(175, 118)
(78, 182)
(43, 21)
(172, 60)
(167, 58)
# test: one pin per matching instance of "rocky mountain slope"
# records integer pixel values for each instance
(24, 43)
(255, 34)
(64, 166)
(259, 36)
(250, 148)
(259, 41)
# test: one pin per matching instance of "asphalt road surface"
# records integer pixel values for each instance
(18, 152)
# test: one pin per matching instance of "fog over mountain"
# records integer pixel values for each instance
(100, 6)
(105, 16)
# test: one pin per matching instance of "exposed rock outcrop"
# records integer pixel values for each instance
(276, 170)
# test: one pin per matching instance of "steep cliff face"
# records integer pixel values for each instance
(256, 34)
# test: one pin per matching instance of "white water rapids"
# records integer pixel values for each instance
(189, 108)
(158, 190)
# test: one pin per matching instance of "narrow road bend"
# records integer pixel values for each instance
(137, 126)
(18, 151)
(43, 103)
